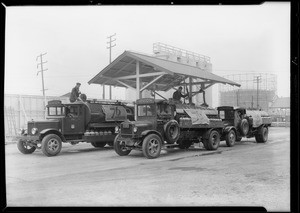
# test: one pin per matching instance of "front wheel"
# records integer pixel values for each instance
(24, 147)
(230, 138)
(262, 135)
(213, 141)
(120, 148)
(151, 146)
(51, 145)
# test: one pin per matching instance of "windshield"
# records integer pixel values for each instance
(226, 114)
(56, 111)
(146, 110)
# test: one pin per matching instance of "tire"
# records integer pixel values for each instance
(151, 146)
(98, 145)
(51, 145)
(244, 127)
(213, 141)
(262, 135)
(230, 138)
(24, 147)
(119, 148)
(172, 131)
(184, 144)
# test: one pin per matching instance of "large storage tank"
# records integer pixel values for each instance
(257, 91)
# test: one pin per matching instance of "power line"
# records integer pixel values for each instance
(42, 71)
(257, 79)
(109, 47)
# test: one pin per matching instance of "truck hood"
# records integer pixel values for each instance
(44, 124)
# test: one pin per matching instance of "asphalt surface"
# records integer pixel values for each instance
(248, 174)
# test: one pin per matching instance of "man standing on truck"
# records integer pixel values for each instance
(75, 93)
(177, 95)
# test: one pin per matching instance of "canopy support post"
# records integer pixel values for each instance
(190, 90)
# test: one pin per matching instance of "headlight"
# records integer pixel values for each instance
(135, 129)
(34, 131)
(117, 129)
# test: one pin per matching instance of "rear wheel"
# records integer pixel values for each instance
(262, 135)
(230, 138)
(151, 146)
(213, 141)
(51, 145)
(120, 148)
(98, 144)
(24, 147)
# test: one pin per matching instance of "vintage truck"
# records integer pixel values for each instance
(92, 121)
(168, 123)
(240, 122)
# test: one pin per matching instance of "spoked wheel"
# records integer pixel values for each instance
(230, 138)
(51, 145)
(152, 146)
(24, 147)
(120, 148)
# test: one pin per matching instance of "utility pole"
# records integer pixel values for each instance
(42, 71)
(109, 47)
(257, 79)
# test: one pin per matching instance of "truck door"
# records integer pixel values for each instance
(74, 122)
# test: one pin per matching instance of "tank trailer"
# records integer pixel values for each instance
(92, 121)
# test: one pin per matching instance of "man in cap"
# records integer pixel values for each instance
(75, 93)
(177, 95)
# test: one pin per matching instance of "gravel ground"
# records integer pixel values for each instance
(248, 174)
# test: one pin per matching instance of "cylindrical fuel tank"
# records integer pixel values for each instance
(109, 112)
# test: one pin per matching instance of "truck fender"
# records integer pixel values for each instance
(51, 131)
(147, 132)
(228, 128)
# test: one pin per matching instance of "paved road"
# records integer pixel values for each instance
(248, 174)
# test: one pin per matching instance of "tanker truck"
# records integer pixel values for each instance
(91, 121)
(240, 122)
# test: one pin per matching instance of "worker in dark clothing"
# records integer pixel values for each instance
(177, 95)
(75, 93)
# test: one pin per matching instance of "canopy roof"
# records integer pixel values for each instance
(132, 68)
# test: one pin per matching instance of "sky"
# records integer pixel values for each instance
(238, 39)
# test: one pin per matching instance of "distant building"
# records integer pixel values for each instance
(280, 110)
